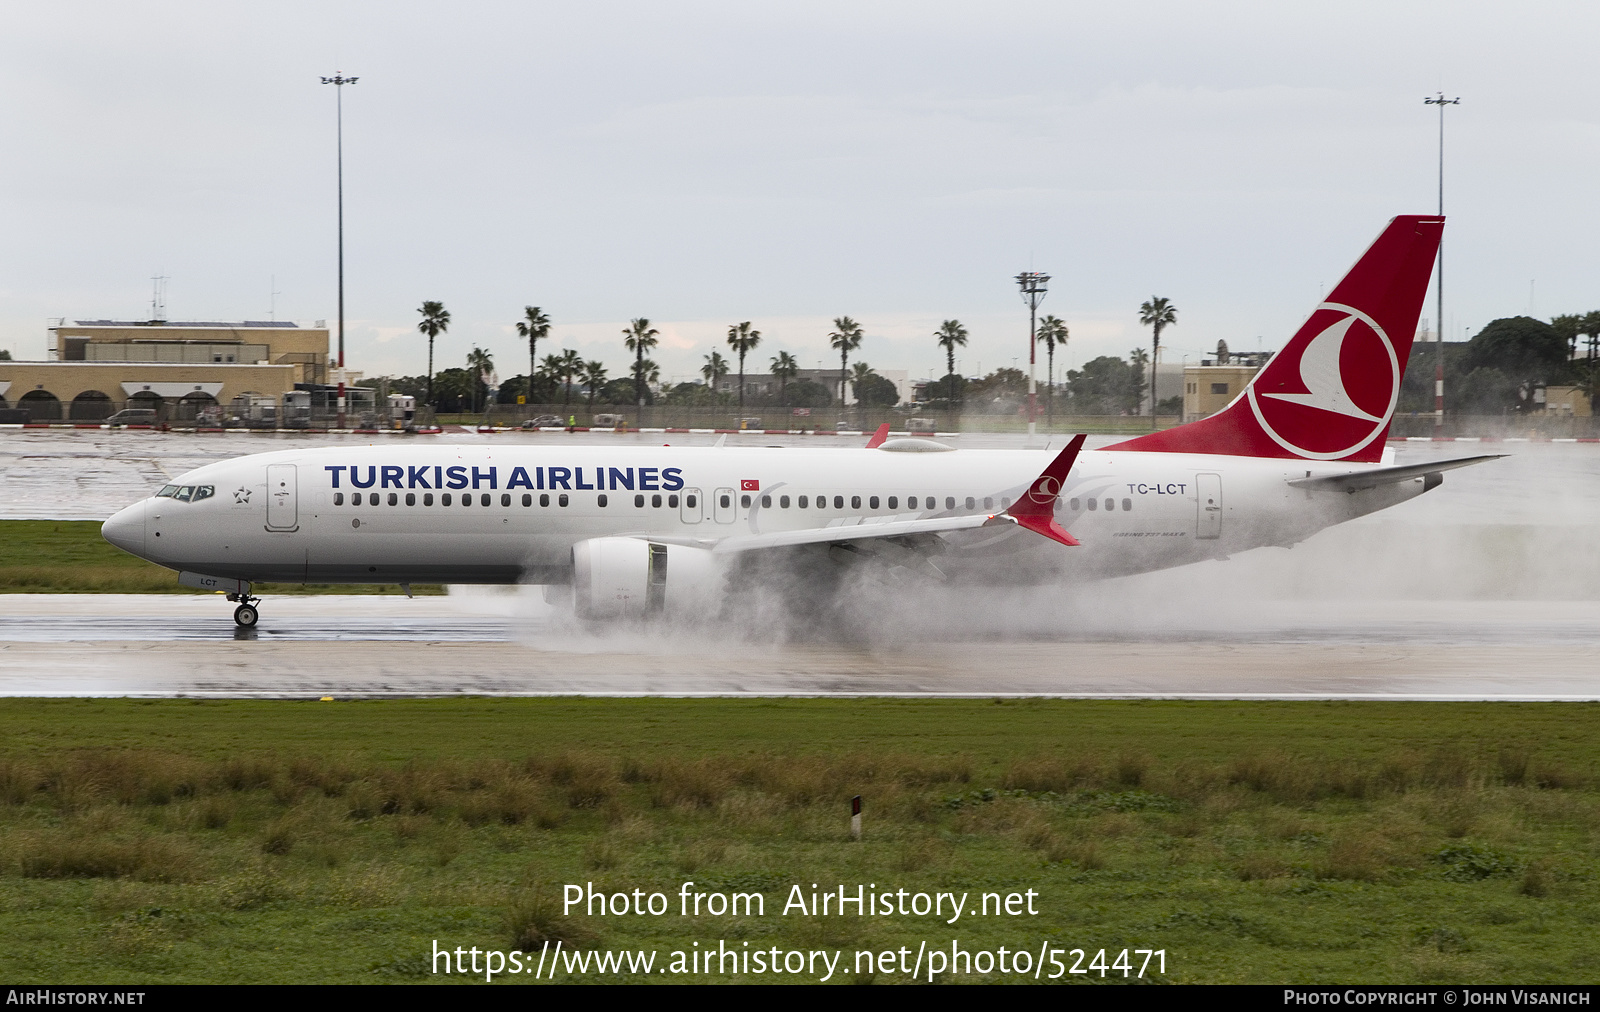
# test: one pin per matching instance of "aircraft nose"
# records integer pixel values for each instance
(125, 529)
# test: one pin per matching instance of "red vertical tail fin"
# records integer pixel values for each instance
(1330, 393)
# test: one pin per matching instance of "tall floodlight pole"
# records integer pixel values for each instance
(339, 81)
(1034, 286)
(1438, 328)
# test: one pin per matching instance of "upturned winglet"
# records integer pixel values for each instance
(1036, 509)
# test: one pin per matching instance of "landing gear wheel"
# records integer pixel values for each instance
(246, 615)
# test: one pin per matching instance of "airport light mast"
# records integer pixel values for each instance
(1034, 286)
(1438, 325)
(338, 80)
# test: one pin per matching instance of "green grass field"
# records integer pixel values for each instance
(176, 840)
(70, 557)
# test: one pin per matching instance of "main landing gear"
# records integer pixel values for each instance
(246, 615)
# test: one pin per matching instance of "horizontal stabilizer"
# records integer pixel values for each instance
(1356, 481)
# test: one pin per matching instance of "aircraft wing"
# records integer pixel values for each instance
(1356, 481)
(861, 531)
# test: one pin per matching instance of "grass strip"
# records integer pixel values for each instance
(70, 557)
(333, 841)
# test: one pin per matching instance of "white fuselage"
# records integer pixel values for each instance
(514, 513)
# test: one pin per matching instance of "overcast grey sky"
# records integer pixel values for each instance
(705, 163)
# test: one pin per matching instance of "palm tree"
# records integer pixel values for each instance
(742, 339)
(435, 321)
(860, 375)
(1052, 332)
(845, 338)
(785, 368)
(593, 376)
(715, 368)
(1590, 328)
(533, 326)
(1156, 314)
(567, 367)
(950, 335)
(480, 364)
(640, 337)
(1138, 358)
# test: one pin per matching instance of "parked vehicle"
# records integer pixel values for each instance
(135, 416)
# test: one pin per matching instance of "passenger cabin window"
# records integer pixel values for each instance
(638, 501)
(803, 502)
(411, 498)
(338, 498)
(466, 498)
(505, 499)
(561, 499)
(444, 499)
(394, 498)
(690, 501)
(1111, 504)
(971, 503)
(527, 499)
(1094, 504)
(988, 502)
(872, 503)
(725, 501)
(485, 499)
(766, 502)
(544, 499)
(600, 500)
(894, 502)
(427, 498)
(838, 502)
(855, 502)
(949, 502)
(744, 501)
(655, 502)
(672, 500)
(1127, 505)
(1075, 504)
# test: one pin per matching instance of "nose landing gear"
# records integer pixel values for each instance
(246, 615)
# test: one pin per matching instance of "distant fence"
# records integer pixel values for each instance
(267, 413)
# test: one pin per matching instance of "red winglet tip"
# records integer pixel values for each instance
(1048, 527)
(878, 437)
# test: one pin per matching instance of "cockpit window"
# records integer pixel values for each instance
(167, 491)
(204, 492)
(184, 494)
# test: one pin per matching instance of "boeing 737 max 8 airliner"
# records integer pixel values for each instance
(640, 530)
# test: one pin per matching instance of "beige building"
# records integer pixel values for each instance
(1567, 401)
(99, 366)
(1209, 387)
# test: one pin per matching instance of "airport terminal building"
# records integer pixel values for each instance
(183, 370)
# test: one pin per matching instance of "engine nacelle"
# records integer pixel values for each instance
(621, 578)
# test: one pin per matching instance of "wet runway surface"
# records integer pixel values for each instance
(1486, 588)
(512, 644)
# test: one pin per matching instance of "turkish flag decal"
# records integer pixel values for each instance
(749, 485)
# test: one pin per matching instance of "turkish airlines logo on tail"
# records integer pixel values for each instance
(1337, 394)
(1044, 490)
